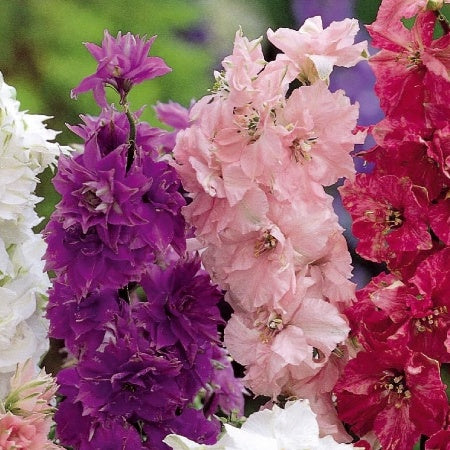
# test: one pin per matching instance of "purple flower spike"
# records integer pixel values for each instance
(122, 63)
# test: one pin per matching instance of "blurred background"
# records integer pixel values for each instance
(42, 53)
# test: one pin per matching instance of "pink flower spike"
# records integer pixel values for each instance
(319, 146)
(122, 63)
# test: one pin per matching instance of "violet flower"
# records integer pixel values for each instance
(81, 323)
(110, 223)
(84, 262)
(181, 304)
(190, 423)
(177, 117)
(122, 63)
(136, 380)
(84, 432)
(111, 129)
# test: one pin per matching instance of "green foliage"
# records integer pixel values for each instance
(366, 10)
(44, 56)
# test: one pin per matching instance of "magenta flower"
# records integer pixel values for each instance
(389, 216)
(395, 393)
(408, 59)
(122, 63)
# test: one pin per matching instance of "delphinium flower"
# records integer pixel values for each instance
(255, 160)
(358, 85)
(398, 394)
(313, 50)
(138, 315)
(122, 63)
(110, 221)
(145, 364)
(294, 427)
(25, 151)
(26, 412)
(174, 115)
(400, 216)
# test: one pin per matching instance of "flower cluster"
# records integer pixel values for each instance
(400, 216)
(25, 151)
(137, 313)
(255, 161)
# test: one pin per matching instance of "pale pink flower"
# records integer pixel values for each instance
(323, 407)
(260, 266)
(317, 145)
(30, 392)
(314, 51)
(212, 215)
(299, 335)
(332, 271)
(248, 79)
(308, 223)
(196, 164)
(257, 267)
(241, 67)
(25, 433)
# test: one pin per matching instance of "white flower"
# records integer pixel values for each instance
(292, 428)
(29, 341)
(24, 136)
(25, 151)
(17, 183)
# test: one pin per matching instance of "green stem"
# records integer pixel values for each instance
(443, 22)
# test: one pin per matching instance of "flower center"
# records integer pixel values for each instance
(90, 199)
(270, 327)
(265, 243)
(301, 149)
(247, 119)
(129, 387)
(221, 83)
(431, 322)
(395, 387)
(394, 218)
(413, 59)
